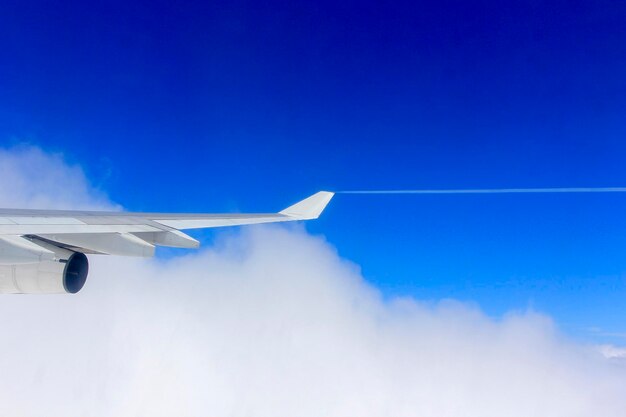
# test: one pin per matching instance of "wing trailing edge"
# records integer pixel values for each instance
(121, 244)
(171, 238)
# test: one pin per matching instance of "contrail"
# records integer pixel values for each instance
(494, 191)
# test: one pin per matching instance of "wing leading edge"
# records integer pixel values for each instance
(130, 234)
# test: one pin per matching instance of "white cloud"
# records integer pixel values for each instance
(612, 352)
(31, 178)
(271, 322)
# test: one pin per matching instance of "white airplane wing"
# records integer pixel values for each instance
(122, 233)
(43, 251)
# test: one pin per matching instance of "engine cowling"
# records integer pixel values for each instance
(66, 274)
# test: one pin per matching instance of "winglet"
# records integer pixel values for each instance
(309, 208)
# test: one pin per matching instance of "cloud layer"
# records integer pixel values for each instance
(270, 322)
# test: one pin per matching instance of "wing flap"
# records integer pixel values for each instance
(122, 244)
(171, 238)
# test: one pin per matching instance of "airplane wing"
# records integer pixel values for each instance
(43, 251)
(25, 231)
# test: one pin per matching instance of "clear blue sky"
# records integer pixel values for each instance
(249, 106)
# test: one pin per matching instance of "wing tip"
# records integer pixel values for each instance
(311, 207)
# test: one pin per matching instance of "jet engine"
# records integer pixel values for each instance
(54, 270)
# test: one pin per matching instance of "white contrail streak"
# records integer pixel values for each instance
(494, 191)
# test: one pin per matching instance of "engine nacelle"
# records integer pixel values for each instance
(65, 275)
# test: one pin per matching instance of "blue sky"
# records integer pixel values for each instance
(242, 106)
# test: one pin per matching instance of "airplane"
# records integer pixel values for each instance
(44, 251)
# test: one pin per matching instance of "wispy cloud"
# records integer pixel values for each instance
(31, 178)
(613, 352)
